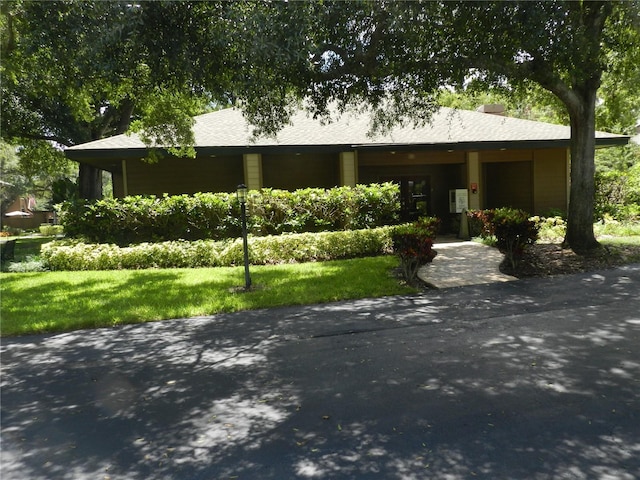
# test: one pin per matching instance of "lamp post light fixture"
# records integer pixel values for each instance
(241, 192)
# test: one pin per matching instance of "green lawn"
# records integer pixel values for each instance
(624, 238)
(62, 301)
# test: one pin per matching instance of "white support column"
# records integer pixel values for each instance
(348, 169)
(473, 178)
(252, 170)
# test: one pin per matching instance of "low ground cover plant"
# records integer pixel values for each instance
(550, 229)
(291, 248)
(203, 216)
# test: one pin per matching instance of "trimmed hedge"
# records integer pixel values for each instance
(216, 216)
(289, 248)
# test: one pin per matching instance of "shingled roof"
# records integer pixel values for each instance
(228, 131)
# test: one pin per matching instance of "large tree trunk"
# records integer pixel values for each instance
(580, 236)
(90, 182)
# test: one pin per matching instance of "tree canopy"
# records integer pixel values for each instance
(76, 71)
(396, 56)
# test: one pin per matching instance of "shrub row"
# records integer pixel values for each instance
(302, 247)
(48, 230)
(216, 216)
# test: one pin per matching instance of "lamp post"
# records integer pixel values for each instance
(242, 198)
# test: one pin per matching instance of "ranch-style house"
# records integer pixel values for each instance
(482, 159)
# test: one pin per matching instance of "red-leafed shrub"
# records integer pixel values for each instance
(413, 243)
(512, 229)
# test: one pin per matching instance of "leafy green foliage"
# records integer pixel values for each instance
(138, 219)
(273, 212)
(396, 57)
(32, 169)
(292, 248)
(166, 122)
(413, 244)
(62, 190)
(50, 230)
(528, 101)
(618, 158)
(618, 194)
(550, 229)
(73, 72)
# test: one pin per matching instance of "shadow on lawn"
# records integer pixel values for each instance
(88, 302)
(97, 299)
(450, 385)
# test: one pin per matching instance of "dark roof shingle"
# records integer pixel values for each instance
(228, 129)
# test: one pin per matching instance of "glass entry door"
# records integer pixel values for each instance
(415, 196)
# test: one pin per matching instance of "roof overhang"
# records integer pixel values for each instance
(227, 133)
(111, 159)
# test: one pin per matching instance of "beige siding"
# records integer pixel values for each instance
(533, 180)
(184, 175)
(253, 171)
(508, 184)
(348, 169)
(293, 171)
(474, 176)
(549, 180)
(506, 155)
(366, 159)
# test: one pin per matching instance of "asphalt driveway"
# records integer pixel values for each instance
(534, 379)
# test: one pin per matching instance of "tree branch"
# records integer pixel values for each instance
(126, 111)
(50, 138)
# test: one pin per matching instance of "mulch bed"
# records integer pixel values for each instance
(545, 259)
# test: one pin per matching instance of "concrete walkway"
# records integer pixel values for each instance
(463, 263)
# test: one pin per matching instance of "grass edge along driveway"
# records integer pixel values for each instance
(62, 301)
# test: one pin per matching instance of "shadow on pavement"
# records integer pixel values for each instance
(531, 379)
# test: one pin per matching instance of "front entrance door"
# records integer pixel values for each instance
(415, 196)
